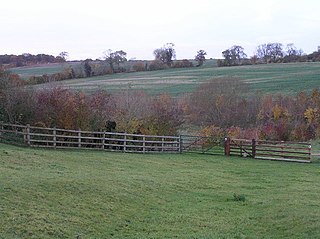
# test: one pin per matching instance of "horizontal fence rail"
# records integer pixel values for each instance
(61, 138)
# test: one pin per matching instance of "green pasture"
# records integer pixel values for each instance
(95, 194)
(288, 78)
(270, 78)
(27, 71)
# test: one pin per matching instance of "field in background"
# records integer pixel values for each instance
(38, 70)
(65, 194)
(271, 78)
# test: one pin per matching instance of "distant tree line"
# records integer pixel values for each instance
(116, 62)
(29, 59)
(165, 57)
(110, 63)
(219, 107)
(267, 53)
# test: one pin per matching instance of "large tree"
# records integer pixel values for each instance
(64, 55)
(87, 68)
(292, 54)
(115, 58)
(200, 57)
(165, 54)
(270, 53)
(234, 56)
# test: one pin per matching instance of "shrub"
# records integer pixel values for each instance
(182, 64)
(157, 65)
(212, 134)
(139, 66)
(234, 132)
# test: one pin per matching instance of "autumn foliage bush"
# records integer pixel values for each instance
(219, 108)
(131, 111)
(222, 103)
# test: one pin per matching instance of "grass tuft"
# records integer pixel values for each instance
(239, 197)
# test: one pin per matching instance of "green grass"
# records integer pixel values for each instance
(27, 71)
(63, 194)
(270, 78)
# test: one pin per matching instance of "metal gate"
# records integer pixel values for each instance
(201, 144)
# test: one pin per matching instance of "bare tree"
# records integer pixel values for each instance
(270, 53)
(292, 54)
(64, 55)
(165, 54)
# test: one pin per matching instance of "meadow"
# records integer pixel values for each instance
(38, 70)
(94, 194)
(289, 78)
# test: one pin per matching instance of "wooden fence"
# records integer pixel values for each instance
(61, 138)
(271, 150)
(110, 141)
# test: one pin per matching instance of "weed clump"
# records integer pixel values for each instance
(239, 197)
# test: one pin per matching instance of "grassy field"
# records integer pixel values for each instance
(38, 70)
(271, 78)
(65, 194)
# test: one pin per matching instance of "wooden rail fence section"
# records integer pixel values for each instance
(271, 150)
(61, 138)
(110, 141)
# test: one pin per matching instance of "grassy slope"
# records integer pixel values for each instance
(38, 70)
(271, 78)
(62, 194)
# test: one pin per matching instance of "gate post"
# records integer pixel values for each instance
(227, 146)
(254, 144)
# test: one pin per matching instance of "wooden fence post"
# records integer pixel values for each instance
(162, 144)
(309, 150)
(254, 144)
(54, 137)
(1, 128)
(144, 143)
(103, 139)
(125, 143)
(180, 144)
(28, 135)
(227, 146)
(79, 138)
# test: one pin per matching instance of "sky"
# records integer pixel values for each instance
(87, 28)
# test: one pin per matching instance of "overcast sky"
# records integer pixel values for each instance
(87, 28)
